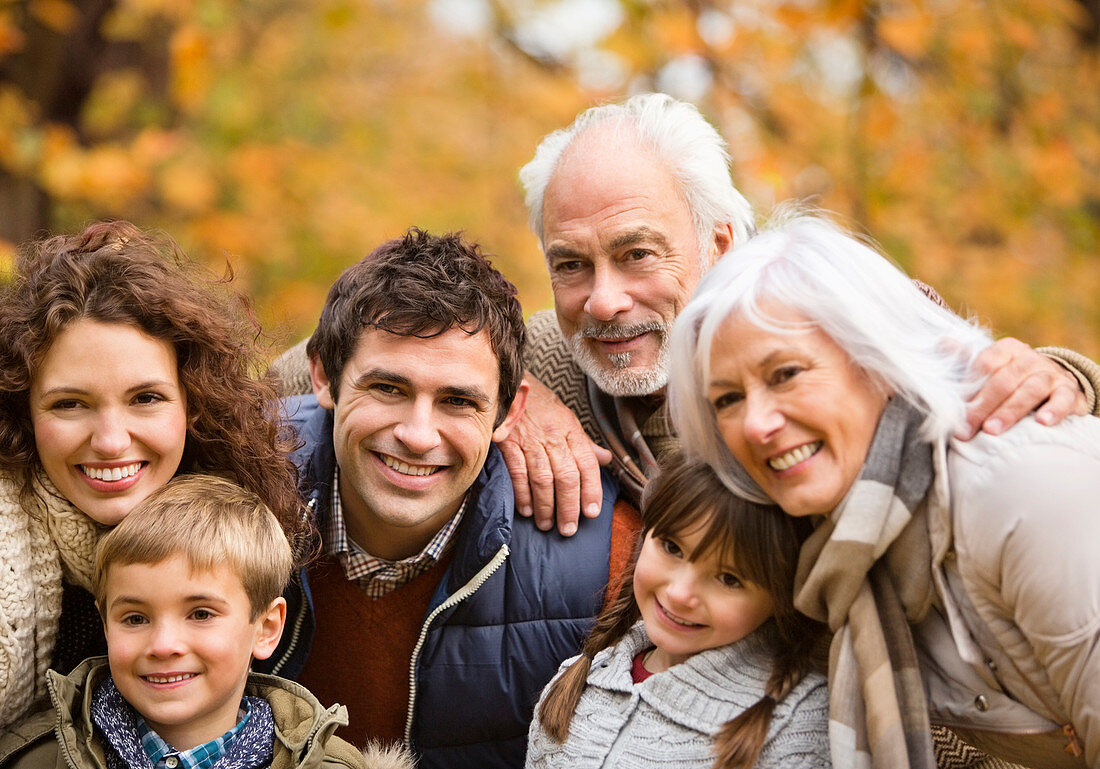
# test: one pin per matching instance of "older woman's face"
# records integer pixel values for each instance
(793, 410)
(109, 415)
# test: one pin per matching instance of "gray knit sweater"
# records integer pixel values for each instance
(670, 719)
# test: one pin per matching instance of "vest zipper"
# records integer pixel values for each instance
(456, 598)
(296, 631)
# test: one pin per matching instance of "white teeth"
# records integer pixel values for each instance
(794, 456)
(111, 473)
(407, 469)
(168, 679)
(677, 620)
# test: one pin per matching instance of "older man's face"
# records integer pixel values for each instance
(623, 257)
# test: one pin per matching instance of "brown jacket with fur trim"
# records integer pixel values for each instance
(62, 737)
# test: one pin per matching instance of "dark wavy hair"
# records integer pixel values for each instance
(423, 285)
(764, 543)
(114, 272)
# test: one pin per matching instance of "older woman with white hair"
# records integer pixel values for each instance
(962, 580)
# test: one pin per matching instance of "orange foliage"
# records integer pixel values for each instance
(674, 30)
(909, 31)
(291, 138)
(191, 74)
(11, 37)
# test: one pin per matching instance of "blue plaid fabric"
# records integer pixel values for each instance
(204, 756)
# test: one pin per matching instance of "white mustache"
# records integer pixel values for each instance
(619, 331)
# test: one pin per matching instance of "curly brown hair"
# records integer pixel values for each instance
(114, 272)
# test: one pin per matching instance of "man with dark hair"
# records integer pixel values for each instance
(631, 204)
(434, 613)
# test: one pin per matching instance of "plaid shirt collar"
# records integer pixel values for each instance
(199, 757)
(377, 576)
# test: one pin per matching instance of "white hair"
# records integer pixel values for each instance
(688, 146)
(907, 343)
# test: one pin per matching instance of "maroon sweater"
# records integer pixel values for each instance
(362, 647)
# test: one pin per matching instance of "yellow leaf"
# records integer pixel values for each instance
(16, 111)
(1057, 170)
(908, 32)
(111, 177)
(7, 258)
(676, 32)
(972, 44)
(229, 232)
(843, 11)
(1021, 32)
(1049, 109)
(62, 162)
(794, 19)
(882, 122)
(298, 299)
(338, 15)
(59, 15)
(154, 146)
(188, 186)
(191, 71)
(111, 101)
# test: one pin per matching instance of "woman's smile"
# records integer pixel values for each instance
(110, 416)
(793, 409)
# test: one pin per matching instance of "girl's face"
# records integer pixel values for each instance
(109, 415)
(690, 606)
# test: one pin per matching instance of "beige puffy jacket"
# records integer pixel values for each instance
(1013, 651)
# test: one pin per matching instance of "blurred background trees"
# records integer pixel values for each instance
(292, 137)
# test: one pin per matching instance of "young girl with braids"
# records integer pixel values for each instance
(702, 659)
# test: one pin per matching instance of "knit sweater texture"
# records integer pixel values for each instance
(43, 540)
(671, 718)
(374, 684)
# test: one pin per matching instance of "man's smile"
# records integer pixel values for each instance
(404, 468)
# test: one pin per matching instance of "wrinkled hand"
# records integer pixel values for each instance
(551, 459)
(1020, 380)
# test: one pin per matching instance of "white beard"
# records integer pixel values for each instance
(618, 378)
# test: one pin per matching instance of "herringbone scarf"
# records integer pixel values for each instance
(866, 571)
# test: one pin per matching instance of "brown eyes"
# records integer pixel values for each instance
(727, 399)
(785, 374)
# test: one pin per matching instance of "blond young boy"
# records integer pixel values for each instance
(189, 587)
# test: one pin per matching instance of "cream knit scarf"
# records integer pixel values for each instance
(37, 547)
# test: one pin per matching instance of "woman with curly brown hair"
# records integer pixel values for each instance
(122, 363)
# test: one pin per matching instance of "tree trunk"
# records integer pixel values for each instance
(55, 71)
(25, 209)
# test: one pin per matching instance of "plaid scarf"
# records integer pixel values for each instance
(866, 571)
(638, 450)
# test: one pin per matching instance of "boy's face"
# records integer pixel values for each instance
(180, 643)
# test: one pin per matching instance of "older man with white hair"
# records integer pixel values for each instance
(632, 203)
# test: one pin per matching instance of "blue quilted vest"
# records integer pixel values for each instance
(514, 603)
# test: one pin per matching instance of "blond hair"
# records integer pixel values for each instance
(209, 521)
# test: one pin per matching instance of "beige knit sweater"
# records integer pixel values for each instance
(39, 544)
